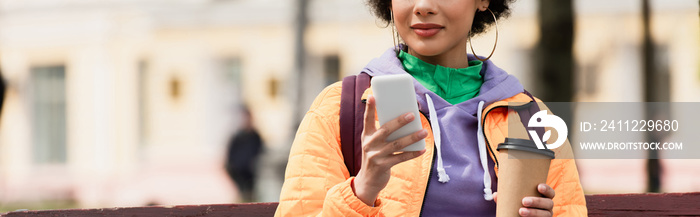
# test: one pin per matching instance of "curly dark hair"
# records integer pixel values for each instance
(482, 19)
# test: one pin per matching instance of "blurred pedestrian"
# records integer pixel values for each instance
(2, 91)
(244, 147)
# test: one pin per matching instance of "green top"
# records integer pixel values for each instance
(453, 85)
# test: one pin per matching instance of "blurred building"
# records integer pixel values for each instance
(126, 103)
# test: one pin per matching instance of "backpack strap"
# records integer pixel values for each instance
(352, 112)
(528, 110)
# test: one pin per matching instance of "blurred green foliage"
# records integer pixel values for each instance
(41, 205)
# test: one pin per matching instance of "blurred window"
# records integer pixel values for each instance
(231, 70)
(663, 71)
(331, 69)
(143, 102)
(49, 112)
(590, 77)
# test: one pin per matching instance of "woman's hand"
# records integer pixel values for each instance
(379, 155)
(537, 206)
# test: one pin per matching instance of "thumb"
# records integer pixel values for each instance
(370, 116)
(494, 196)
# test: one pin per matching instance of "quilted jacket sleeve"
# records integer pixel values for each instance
(317, 182)
(569, 199)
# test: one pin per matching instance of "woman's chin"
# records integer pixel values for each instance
(426, 50)
(427, 47)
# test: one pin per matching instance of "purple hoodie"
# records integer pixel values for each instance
(463, 195)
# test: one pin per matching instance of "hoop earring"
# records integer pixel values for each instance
(394, 34)
(469, 39)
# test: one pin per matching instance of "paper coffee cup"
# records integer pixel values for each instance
(521, 167)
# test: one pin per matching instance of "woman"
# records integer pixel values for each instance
(452, 87)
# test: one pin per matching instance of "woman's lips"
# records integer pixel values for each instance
(426, 29)
(426, 32)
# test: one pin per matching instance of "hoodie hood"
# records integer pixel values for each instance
(498, 84)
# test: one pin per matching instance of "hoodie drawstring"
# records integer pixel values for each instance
(442, 174)
(488, 193)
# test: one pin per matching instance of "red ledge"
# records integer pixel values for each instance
(665, 204)
(214, 210)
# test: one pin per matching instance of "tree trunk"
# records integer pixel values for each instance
(301, 22)
(554, 61)
(656, 89)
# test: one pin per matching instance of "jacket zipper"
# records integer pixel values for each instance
(432, 163)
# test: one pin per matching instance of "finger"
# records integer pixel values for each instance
(405, 156)
(538, 203)
(403, 142)
(534, 212)
(393, 125)
(370, 114)
(545, 190)
(494, 196)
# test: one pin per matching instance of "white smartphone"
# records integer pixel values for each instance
(395, 96)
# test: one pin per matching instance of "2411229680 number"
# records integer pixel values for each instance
(631, 125)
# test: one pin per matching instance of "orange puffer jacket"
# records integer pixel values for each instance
(317, 183)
